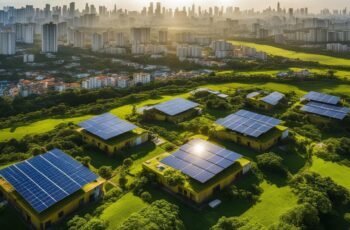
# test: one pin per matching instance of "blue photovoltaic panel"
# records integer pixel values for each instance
(175, 106)
(273, 98)
(47, 179)
(201, 160)
(321, 97)
(107, 126)
(326, 110)
(253, 94)
(248, 123)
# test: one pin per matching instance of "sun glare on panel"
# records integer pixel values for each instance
(198, 149)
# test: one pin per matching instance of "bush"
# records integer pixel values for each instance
(146, 196)
(347, 217)
(105, 172)
(271, 162)
(173, 177)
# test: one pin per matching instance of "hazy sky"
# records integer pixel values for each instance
(314, 5)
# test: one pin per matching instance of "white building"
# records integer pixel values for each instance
(79, 39)
(120, 39)
(141, 78)
(140, 35)
(28, 58)
(163, 36)
(7, 43)
(337, 47)
(221, 48)
(49, 38)
(184, 51)
(97, 42)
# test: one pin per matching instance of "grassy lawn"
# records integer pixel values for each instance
(119, 211)
(339, 173)
(37, 127)
(275, 201)
(322, 59)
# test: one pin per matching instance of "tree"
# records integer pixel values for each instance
(146, 196)
(271, 162)
(95, 224)
(303, 216)
(76, 223)
(160, 215)
(105, 172)
(123, 181)
(173, 177)
(236, 223)
(127, 163)
(84, 160)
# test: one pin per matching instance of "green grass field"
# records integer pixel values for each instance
(275, 201)
(37, 127)
(119, 211)
(322, 59)
(339, 173)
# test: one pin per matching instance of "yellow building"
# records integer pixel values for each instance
(48, 187)
(256, 131)
(322, 108)
(267, 102)
(175, 111)
(110, 134)
(206, 168)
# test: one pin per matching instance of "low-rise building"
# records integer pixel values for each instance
(48, 187)
(256, 131)
(323, 108)
(176, 110)
(264, 101)
(209, 169)
(110, 133)
(141, 78)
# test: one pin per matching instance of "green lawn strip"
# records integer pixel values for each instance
(339, 173)
(119, 211)
(274, 202)
(37, 127)
(322, 59)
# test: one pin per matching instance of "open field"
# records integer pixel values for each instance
(322, 59)
(37, 127)
(119, 211)
(339, 173)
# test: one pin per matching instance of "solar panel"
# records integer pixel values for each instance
(175, 106)
(107, 126)
(321, 97)
(201, 160)
(273, 98)
(248, 123)
(253, 94)
(47, 179)
(326, 110)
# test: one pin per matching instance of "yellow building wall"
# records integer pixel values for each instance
(244, 140)
(156, 115)
(37, 220)
(259, 104)
(203, 195)
(111, 149)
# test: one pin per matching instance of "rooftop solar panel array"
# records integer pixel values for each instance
(248, 123)
(107, 126)
(253, 94)
(175, 106)
(273, 98)
(48, 178)
(201, 160)
(321, 97)
(327, 110)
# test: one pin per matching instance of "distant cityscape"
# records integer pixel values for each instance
(45, 37)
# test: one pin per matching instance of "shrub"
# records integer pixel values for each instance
(146, 196)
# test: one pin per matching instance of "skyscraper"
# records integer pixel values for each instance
(49, 38)
(7, 43)
(140, 35)
(72, 9)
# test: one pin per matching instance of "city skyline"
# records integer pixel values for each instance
(314, 5)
